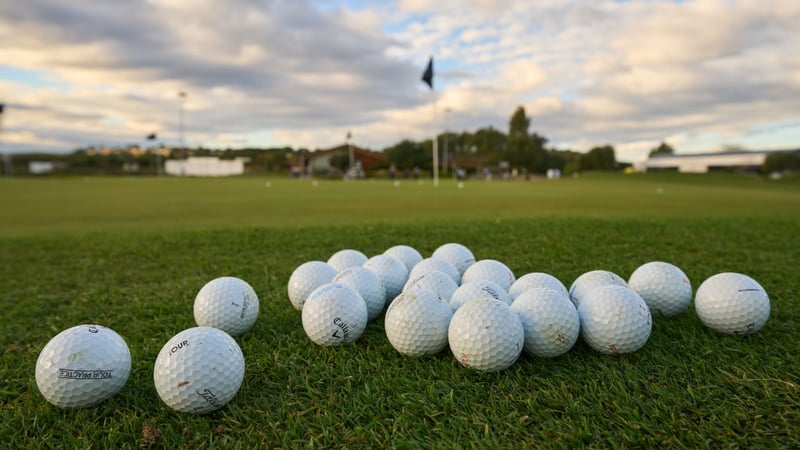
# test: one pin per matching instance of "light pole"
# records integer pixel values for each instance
(446, 138)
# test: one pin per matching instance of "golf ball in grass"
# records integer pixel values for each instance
(334, 314)
(344, 259)
(614, 319)
(478, 289)
(550, 322)
(456, 254)
(492, 270)
(663, 286)
(82, 366)
(417, 321)
(227, 303)
(536, 280)
(591, 280)
(408, 255)
(434, 281)
(732, 303)
(366, 283)
(307, 277)
(434, 264)
(391, 271)
(485, 334)
(199, 370)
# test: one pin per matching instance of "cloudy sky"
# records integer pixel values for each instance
(702, 75)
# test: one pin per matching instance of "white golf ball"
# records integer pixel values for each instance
(408, 255)
(227, 303)
(536, 280)
(732, 303)
(591, 280)
(478, 289)
(82, 366)
(391, 271)
(485, 334)
(334, 314)
(307, 277)
(614, 319)
(492, 270)
(366, 283)
(435, 281)
(550, 322)
(199, 370)
(434, 264)
(663, 286)
(456, 254)
(344, 259)
(417, 321)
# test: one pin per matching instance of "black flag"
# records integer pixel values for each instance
(151, 137)
(2, 107)
(427, 76)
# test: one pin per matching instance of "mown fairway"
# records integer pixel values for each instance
(131, 254)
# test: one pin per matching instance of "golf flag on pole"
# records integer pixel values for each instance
(427, 76)
(151, 137)
(2, 106)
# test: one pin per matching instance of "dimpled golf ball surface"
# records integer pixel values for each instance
(663, 286)
(485, 334)
(591, 280)
(307, 277)
(391, 271)
(550, 322)
(614, 319)
(82, 366)
(417, 321)
(199, 370)
(408, 255)
(478, 289)
(334, 315)
(435, 281)
(438, 265)
(366, 283)
(492, 270)
(732, 303)
(456, 254)
(536, 280)
(227, 303)
(347, 258)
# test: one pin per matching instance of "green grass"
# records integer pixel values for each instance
(131, 254)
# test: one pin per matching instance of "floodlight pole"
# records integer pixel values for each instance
(446, 140)
(350, 154)
(435, 147)
(182, 97)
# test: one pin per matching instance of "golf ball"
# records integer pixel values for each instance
(408, 255)
(614, 319)
(82, 366)
(347, 258)
(227, 303)
(550, 322)
(435, 281)
(417, 321)
(732, 303)
(199, 370)
(307, 277)
(433, 264)
(663, 286)
(456, 254)
(591, 280)
(391, 271)
(366, 283)
(536, 280)
(492, 270)
(478, 289)
(485, 334)
(334, 314)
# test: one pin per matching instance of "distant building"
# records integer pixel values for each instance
(43, 167)
(707, 162)
(204, 166)
(320, 160)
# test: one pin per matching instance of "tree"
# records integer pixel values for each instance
(781, 162)
(407, 154)
(524, 150)
(599, 158)
(662, 149)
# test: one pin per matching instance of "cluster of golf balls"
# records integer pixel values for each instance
(488, 317)
(199, 370)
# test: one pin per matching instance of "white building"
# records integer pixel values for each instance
(705, 162)
(204, 166)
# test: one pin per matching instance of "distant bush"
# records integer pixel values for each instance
(782, 162)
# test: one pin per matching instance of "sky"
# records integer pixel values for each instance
(701, 75)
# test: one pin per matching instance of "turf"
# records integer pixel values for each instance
(688, 387)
